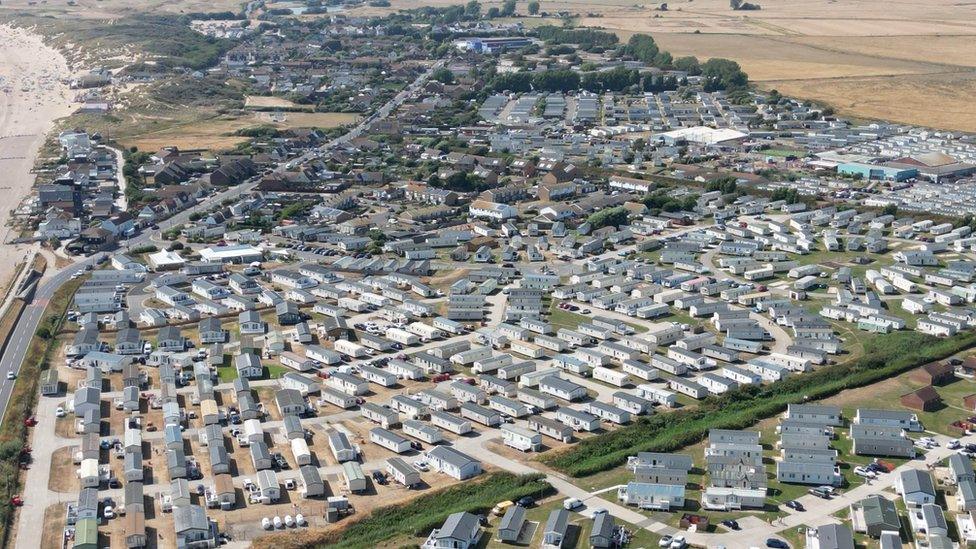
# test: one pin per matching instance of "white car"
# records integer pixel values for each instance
(572, 503)
(59, 412)
(678, 542)
(11, 375)
(864, 472)
(953, 444)
(108, 512)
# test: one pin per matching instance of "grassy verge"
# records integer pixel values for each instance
(884, 357)
(13, 432)
(417, 517)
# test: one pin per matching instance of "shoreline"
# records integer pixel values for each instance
(32, 98)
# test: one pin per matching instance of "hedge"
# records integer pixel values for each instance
(883, 357)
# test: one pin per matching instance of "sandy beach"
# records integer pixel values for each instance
(32, 97)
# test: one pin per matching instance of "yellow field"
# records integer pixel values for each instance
(268, 101)
(111, 9)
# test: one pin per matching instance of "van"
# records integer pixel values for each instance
(500, 509)
(819, 492)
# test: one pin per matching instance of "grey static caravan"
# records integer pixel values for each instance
(450, 422)
(632, 403)
(404, 370)
(513, 332)
(617, 351)
(658, 395)
(717, 384)
(536, 326)
(639, 345)
(613, 377)
(340, 446)
(507, 406)
(496, 385)
(577, 420)
(531, 379)
(338, 398)
(795, 363)
(448, 325)
(693, 360)
(561, 388)
(468, 393)
(491, 364)
(594, 331)
(437, 400)
(402, 337)
(574, 338)
(741, 375)
(425, 331)
(449, 349)
(724, 354)
(521, 439)
(470, 356)
(513, 371)
(377, 376)
(551, 343)
(592, 357)
(353, 477)
(572, 364)
(551, 428)
(640, 370)
(527, 349)
(322, 355)
(536, 399)
(386, 417)
(412, 409)
(480, 414)
(389, 440)
(687, 387)
(668, 365)
(377, 343)
(402, 472)
(742, 345)
(349, 383)
(653, 311)
(607, 412)
(695, 342)
(422, 431)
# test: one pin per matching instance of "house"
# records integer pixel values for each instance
(935, 373)
(251, 323)
(290, 401)
(287, 313)
(874, 515)
(915, 487)
(554, 532)
(829, 536)
(170, 339)
(211, 331)
(248, 366)
(511, 525)
(459, 531)
(602, 533)
(193, 528)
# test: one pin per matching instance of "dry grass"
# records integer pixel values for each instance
(268, 101)
(111, 9)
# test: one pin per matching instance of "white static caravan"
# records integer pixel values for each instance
(480, 414)
(607, 412)
(389, 440)
(491, 364)
(299, 449)
(382, 378)
(351, 349)
(592, 357)
(617, 351)
(550, 343)
(467, 393)
(536, 399)
(450, 422)
(338, 398)
(687, 387)
(512, 371)
(507, 406)
(412, 409)
(577, 420)
(640, 370)
(349, 384)
(527, 349)
(658, 395)
(469, 357)
(536, 326)
(613, 377)
(404, 370)
(572, 364)
(663, 334)
(668, 365)
(402, 472)
(422, 431)
(425, 331)
(402, 337)
(561, 388)
(386, 417)
(437, 400)
(448, 325)
(521, 439)
(342, 449)
(353, 477)
(253, 431)
(531, 379)
(741, 375)
(296, 361)
(717, 384)
(574, 338)
(632, 403)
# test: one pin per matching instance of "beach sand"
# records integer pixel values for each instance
(32, 97)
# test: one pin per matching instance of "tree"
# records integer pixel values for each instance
(723, 74)
(606, 218)
(687, 64)
(508, 8)
(443, 75)
(493, 12)
(472, 10)
(890, 209)
(533, 8)
(642, 47)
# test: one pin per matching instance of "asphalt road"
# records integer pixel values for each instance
(16, 351)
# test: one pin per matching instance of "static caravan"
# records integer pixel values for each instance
(496, 385)
(561, 388)
(613, 377)
(491, 364)
(741, 375)
(425, 331)
(412, 409)
(526, 349)
(607, 412)
(551, 343)
(521, 439)
(577, 420)
(389, 440)
(379, 344)
(350, 349)
(534, 398)
(296, 361)
(299, 449)
(663, 334)
(422, 431)
(451, 348)
(717, 384)
(404, 370)
(450, 422)
(377, 376)
(516, 370)
(592, 357)
(687, 387)
(354, 477)
(574, 338)
(536, 326)
(507, 406)
(342, 449)
(658, 395)
(402, 337)
(386, 417)
(572, 364)
(348, 383)
(640, 370)
(480, 414)
(471, 356)
(468, 393)
(668, 365)
(551, 428)
(632, 403)
(448, 325)
(338, 398)
(402, 472)
(437, 400)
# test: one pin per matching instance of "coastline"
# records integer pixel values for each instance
(32, 97)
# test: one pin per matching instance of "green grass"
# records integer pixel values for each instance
(883, 358)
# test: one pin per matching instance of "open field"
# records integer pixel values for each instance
(111, 9)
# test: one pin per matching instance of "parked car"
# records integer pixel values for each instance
(777, 543)
(795, 505)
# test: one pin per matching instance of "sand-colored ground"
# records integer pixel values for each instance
(32, 97)
(111, 9)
